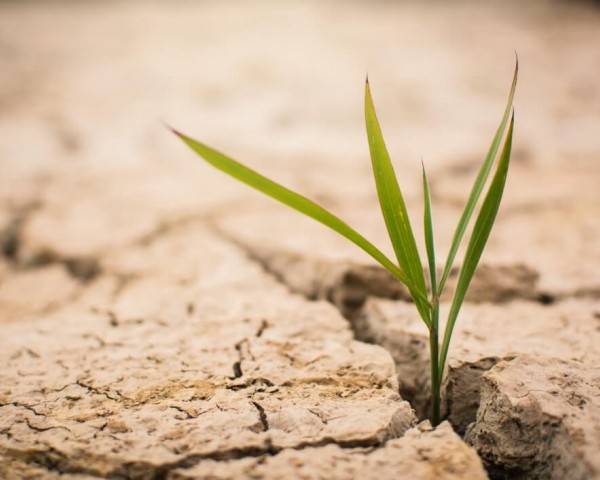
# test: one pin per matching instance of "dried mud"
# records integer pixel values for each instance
(161, 322)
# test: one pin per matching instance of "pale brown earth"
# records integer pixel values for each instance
(160, 321)
(539, 419)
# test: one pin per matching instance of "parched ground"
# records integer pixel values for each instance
(160, 321)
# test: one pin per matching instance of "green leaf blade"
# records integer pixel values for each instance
(428, 228)
(294, 200)
(479, 184)
(393, 206)
(481, 232)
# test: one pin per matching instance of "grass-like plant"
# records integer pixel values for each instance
(409, 269)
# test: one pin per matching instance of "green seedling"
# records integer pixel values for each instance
(409, 268)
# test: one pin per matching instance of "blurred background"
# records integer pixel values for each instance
(87, 165)
(91, 81)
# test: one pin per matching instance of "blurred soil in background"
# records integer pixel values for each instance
(107, 221)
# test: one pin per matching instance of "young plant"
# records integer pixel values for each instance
(409, 268)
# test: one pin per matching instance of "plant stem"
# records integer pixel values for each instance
(436, 378)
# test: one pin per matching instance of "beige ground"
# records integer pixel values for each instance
(142, 336)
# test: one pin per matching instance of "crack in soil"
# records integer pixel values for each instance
(350, 283)
(53, 460)
(44, 429)
(261, 415)
(11, 235)
(348, 294)
(347, 284)
(239, 347)
(64, 463)
(237, 365)
(83, 269)
(24, 406)
(106, 394)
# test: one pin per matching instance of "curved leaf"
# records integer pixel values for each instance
(293, 200)
(481, 232)
(393, 206)
(428, 228)
(479, 184)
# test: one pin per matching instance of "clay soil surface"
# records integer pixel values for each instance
(160, 321)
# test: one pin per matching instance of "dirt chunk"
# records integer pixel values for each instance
(484, 335)
(166, 372)
(539, 419)
(422, 453)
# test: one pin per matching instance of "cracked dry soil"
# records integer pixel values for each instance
(161, 322)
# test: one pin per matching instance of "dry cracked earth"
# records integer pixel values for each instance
(160, 321)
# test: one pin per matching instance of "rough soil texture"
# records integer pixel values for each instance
(137, 384)
(421, 453)
(160, 321)
(485, 335)
(539, 418)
